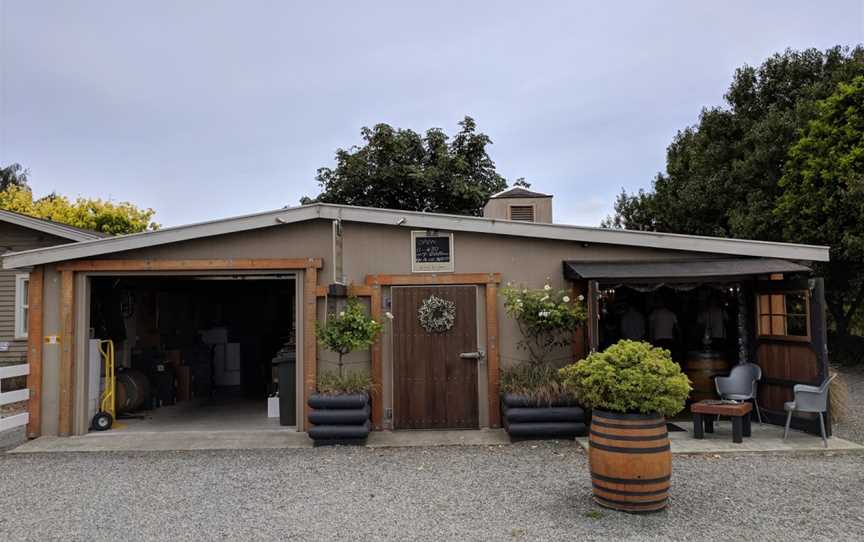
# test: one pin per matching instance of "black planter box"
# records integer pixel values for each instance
(527, 418)
(339, 419)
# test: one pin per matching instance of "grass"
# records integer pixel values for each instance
(540, 383)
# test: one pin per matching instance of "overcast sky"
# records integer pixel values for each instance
(208, 109)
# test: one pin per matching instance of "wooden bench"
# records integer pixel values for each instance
(704, 412)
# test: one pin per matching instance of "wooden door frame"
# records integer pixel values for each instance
(490, 281)
(68, 270)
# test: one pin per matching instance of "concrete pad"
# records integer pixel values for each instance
(766, 439)
(480, 437)
(168, 441)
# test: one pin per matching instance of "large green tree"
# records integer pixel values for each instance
(13, 175)
(823, 195)
(401, 169)
(723, 175)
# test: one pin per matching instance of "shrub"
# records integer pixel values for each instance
(629, 376)
(546, 318)
(539, 383)
(348, 330)
(333, 383)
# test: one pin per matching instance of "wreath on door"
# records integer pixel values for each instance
(436, 315)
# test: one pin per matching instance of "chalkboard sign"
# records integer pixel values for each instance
(432, 252)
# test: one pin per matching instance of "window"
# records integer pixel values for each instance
(523, 213)
(784, 314)
(22, 305)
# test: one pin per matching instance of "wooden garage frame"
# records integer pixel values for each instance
(490, 281)
(310, 266)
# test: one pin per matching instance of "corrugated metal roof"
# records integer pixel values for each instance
(518, 192)
(720, 267)
(413, 219)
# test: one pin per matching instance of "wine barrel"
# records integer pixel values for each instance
(631, 464)
(133, 389)
(702, 367)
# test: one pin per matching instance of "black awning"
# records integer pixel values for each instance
(684, 269)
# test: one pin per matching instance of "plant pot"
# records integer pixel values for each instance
(527, 418)
(339, 419)
(631, 464)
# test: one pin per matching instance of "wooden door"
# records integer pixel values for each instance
(434, 388)
(791, 345)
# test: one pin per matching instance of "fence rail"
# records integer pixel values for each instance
(16, 396)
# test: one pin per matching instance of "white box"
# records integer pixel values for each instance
(272, 407)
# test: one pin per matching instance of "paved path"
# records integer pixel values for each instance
(521, 492)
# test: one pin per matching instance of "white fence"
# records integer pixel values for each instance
(16, 396)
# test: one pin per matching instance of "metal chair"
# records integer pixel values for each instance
(740, 385)
(809, 399)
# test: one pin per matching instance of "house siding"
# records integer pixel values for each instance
(14, 238)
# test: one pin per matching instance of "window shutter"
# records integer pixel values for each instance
(524, 213)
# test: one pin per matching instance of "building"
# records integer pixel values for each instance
(179, 297)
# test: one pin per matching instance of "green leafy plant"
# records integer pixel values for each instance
(539, 383)
(629, 376)
(332, 383)
(348, 330)
(546, 318)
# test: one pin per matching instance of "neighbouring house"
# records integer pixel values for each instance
(20, 232)
(202, 314)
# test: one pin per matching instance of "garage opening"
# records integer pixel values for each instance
(211, 352)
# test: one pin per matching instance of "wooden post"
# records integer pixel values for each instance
(34, 351)
(377, 367)
(67, 351)
(492, 345)
(580, 335)
(310, 343)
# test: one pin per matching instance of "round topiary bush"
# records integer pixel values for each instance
(629, 377)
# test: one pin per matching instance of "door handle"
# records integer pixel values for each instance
(479, 355)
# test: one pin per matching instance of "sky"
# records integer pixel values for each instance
(210, 109)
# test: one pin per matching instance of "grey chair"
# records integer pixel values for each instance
(741, 385)
(809, 399)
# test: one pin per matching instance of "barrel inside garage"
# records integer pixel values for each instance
(195, 352)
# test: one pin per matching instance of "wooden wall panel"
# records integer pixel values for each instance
(310, 343)
(34, 352)
(67, 352)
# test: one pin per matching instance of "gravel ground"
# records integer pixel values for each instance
(521, 492)
(852, 428)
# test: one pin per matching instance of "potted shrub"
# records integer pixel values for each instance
(631, 387)
(535, 402)
(340, 408)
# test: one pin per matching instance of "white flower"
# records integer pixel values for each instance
(543, 314)
(374, 322)
(547, 287)
(544, 298)
(565, 299)
(580, 297)
(341, 314)
(524, 291)
(389, 315)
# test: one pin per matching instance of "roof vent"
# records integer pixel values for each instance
(520, 204)
(524, 213)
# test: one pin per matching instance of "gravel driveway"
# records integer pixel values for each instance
(522, 492)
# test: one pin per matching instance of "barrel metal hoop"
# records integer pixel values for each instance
(632, 503)
(639, 481)
(632, 438)
(601, 423)
(631, 493)
(622, 416)
(621, 450)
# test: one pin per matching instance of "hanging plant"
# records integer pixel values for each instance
(436, 315)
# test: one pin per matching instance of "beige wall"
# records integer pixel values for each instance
(371, 249)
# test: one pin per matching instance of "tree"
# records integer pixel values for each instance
(723, 175)
(13, 175)
(823, 196)
(400, 169)
(91, 214)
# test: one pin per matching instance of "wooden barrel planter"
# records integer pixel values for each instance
(702, 367)
(631, 464)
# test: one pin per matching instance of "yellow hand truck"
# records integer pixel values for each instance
(104, 419)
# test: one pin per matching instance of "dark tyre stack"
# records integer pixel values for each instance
(339, 419)
(526, 418)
